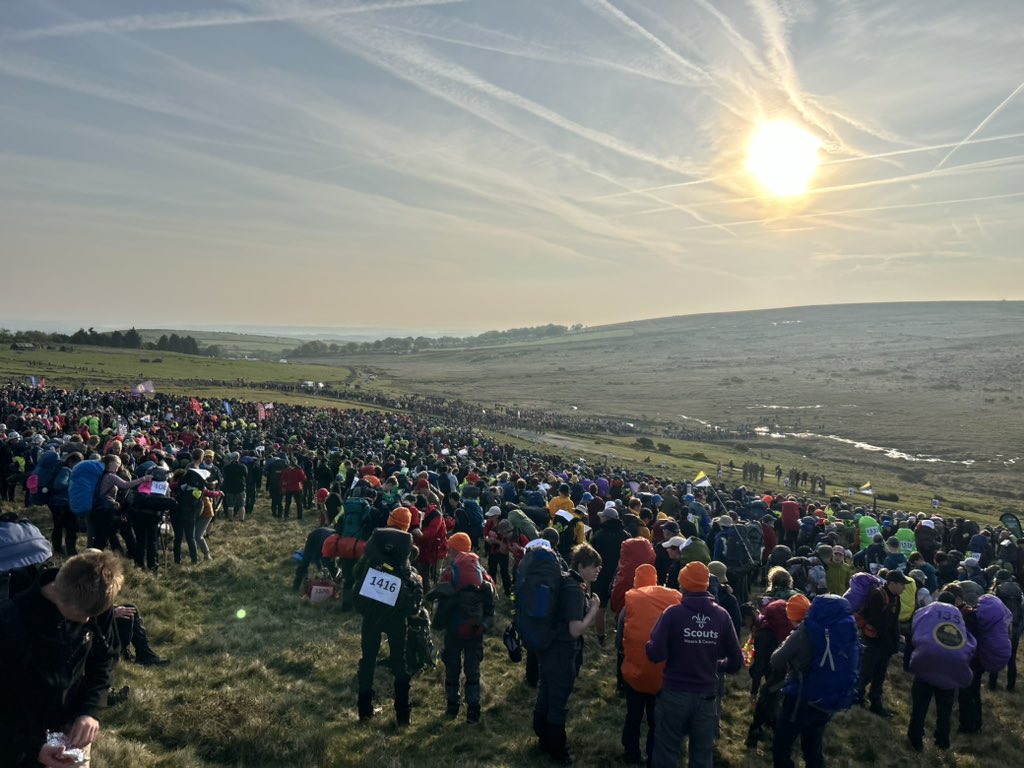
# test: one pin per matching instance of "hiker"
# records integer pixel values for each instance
(697, 641)
(55, 660)
(941, 664)
(1008, 590)
(881, 638)
(105, 517)
(822, 656)
(465, 611)
(607, 540)
(560, 662)
(643, 679)
(125, 630)
(190, 489)
(771, 627)
(388, 592)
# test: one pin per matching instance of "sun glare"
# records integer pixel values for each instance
(783, 158)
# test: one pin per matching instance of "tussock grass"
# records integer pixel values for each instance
(278, 688)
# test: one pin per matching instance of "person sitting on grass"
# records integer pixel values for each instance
(55, 661)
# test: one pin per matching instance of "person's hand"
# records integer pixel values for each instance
(84, 731)
(595, 602)
(53, 757)
(124, 612)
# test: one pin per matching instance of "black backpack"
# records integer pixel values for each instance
(539, 583)
(393, 586)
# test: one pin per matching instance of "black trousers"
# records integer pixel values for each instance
(637, 706)
(395, 627)
(559, 665)
(184, 524)
(65, 530)
(145, 525)
(874, 663)
(803, 721)
(1011, 667)
(921, 694)
(497, 565)
(970, 705)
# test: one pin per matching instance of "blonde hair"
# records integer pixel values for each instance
(779, 578)
(89, 582)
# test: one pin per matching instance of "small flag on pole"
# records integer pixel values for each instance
(227, 409)
(866, 489)
(261, 412)
(701, 480)
(32, 379)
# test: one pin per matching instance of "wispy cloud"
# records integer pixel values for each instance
(169, 22)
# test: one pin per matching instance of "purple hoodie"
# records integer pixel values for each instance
(696, 640)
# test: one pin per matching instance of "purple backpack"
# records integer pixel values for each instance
(993, 633)
(943, 648)
(860, 587)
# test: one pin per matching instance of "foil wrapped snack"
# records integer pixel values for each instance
(58, 739)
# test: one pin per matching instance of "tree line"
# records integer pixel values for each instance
(130, 339)
(410, 344)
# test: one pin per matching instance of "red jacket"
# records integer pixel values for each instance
(292, 479)
(790, 516)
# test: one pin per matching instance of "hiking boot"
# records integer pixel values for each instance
(152, 660)
(942, 743)
(453, 711)
(916, 743)
(365, 706)
(753, 736)
(558, 745)
(632, 758)
(120, 696)
(473, 715)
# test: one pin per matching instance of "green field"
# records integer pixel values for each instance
(105, 368)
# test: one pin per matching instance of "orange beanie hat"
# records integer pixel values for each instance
(460, 542)
(400, 518)
(694, 577)
(797, 607)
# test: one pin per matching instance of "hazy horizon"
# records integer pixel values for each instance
(370, 333)
(476, 164)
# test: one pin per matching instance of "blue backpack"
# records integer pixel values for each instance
(24, 552)
(85, 484)
(40, 482)
(539, 582)
(831, 682)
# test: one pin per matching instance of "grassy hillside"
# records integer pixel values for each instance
(236, 344)
(277, 687)
(942, 383)
(102, 367)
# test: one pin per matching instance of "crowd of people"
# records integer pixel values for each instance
(414, 513)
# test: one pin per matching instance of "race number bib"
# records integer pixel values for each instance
(871, 532)
(381, 587)
(158, 488)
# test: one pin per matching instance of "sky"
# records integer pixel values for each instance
(488, 164)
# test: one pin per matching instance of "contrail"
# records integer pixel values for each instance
(981, 125)
(173, 21)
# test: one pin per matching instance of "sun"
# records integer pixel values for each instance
(783, 157)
